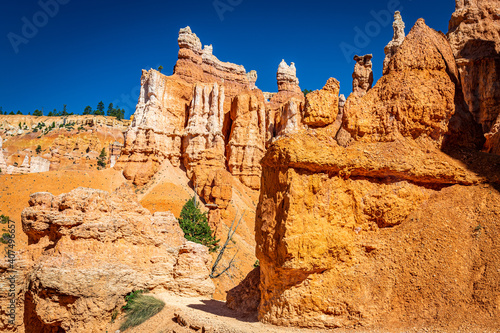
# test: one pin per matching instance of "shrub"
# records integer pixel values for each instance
(194, 223)
(5, 238)
(140, 308)
(38, 149)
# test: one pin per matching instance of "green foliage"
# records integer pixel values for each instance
(11, 113)
(101, 161)
(19, 112)
(194, 223)
(100, 109)
(160, 69)
(256, 264)
(140, 308)
(5, 238)
(38, 149)
(117, 113)
(87, 110)
(306, 91)
(4, 219)
(37, 113)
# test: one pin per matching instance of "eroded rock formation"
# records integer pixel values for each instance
(90, 248)
(362, 77)
(398, 38)
(327, 258)
(322, 106)
(157, 128)
(288, 84)
(341, 223)
(474, 35)
(246, 145)
(199, 65)
(416, 98)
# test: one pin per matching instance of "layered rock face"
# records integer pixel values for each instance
(416, 98)
(347, 237)
(398, 38)
(90, 248)
(362, 77)
(66, 143)
(246, 145)
(199, 65)
(386, 230)
(474, 35)
(157, 128)
(210, 115)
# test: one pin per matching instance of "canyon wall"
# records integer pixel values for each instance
(39, 144)
(474, 35)
(373, 225)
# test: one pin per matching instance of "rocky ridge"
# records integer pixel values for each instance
(66, 143)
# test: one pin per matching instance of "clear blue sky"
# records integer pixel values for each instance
(95, 50)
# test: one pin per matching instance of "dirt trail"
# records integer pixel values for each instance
(214, 316)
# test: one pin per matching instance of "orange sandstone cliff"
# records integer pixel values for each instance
(390, 222)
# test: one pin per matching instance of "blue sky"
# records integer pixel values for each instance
(83, 51)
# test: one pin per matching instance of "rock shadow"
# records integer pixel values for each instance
(219, 308)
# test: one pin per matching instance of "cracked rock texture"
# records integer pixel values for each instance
(89, 248)
(474, 35)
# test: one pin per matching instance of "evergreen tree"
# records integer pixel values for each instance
(64, 111)
(100, 109)
(11, 113)
(19, 112)
(50, 114)
(194, 223)
(111, 110)
(87, 110)
(37, 113)
(160, 69)
(101, 161)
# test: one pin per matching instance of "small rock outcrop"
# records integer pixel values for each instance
(398, 38)
(322, 106)
(362, 77)
(90, 248)
(474, 35)
(288, 84)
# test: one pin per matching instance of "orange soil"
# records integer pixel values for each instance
(15, 190)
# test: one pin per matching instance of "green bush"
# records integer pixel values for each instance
(194, 223)
(140, 308)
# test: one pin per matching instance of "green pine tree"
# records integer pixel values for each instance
(194, 223)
